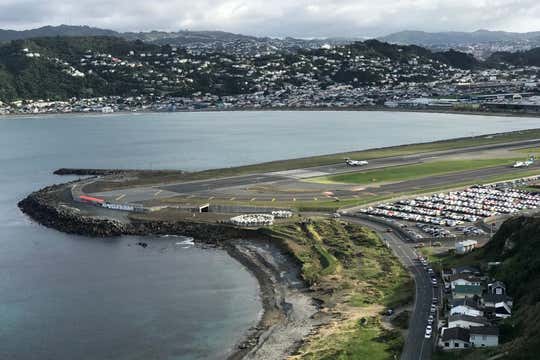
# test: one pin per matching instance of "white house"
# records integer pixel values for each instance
(455, 338)
(464, 279)
(465, 306)
(484, 336)
(466, 321)
(465, 246)
(465, 310)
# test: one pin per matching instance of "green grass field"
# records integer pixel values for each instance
(359, 340)
(410, 172)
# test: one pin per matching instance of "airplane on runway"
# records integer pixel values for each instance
(351, 162)
(527, 163)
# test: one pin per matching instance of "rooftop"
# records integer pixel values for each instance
(468, 289)
(456, 333)
(484, 330)
(475, 319)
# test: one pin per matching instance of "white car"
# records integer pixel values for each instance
(429, 330)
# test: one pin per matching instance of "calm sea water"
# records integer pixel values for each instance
(65, 297)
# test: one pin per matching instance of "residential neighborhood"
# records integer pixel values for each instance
(169, 78)
(472, 307)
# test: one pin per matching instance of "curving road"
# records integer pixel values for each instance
(416, 347)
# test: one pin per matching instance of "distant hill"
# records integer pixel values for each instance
(50, 75)
(150, 36)
(61, 30)
(61, 67)
(184, 38)
(396, 52)
(455, 38)
(520, 58)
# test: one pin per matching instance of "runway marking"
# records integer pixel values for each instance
(158, 192)
(120, 197)
(231, 199)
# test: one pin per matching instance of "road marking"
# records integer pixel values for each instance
(120, 197)
(158, 192)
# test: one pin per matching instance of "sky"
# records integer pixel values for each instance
(277, 18)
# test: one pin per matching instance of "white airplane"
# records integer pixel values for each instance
(529, 162)
(356, 162)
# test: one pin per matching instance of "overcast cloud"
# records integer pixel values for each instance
(299, 18)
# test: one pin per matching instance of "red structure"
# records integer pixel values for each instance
(91, 200)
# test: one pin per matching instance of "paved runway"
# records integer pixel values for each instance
(289, 186)
(401, 160)
(195, 186)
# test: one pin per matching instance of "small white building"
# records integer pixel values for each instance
(484, 336)
(465, 246)
(465, 306)
(455, 338)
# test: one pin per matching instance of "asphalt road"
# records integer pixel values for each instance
(416, 347)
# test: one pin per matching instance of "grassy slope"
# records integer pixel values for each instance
(353, 273)
(517, 246)
(409, 172)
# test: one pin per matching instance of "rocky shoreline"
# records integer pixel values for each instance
(289, 312)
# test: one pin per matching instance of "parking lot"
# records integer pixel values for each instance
(452, 214)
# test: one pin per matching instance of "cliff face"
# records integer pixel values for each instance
(43, 207)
